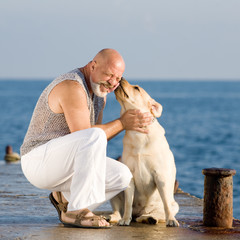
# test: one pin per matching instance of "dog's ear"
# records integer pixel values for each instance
(155, 108)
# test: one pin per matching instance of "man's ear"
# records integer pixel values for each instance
(93, 65)
(155, 108)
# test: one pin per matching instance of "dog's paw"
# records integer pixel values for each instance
(114, 218)
(147, 219)
(172, 223)
(124, 222)
(152, 220)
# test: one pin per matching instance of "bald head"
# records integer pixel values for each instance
(104, 72)
(110, 56)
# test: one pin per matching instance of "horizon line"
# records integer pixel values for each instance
(130, 79)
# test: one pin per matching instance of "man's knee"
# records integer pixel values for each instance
(92, 137)
(98, 135)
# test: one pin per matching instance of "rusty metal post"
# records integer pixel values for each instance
(218, 197)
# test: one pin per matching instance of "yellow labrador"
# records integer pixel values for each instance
(150, 195)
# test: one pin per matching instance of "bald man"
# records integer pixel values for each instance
(64, 149)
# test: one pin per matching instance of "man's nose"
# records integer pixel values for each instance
(113, 82)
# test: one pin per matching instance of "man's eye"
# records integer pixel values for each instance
(137, 88)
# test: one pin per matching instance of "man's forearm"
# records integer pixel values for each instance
(111, 128)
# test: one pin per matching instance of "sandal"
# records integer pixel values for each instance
(60, 206)
(82, 217)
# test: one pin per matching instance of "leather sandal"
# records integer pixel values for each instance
(82, 217)
(60, 205)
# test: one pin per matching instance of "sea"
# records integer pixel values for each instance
(201, 120)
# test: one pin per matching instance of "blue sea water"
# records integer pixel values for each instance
(201, 120)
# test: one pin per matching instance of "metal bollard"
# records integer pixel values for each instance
(218, 197)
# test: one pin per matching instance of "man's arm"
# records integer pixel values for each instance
(69, 98)
(127, 121)
(130, 120)
(112, 128)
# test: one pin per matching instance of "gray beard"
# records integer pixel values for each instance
(96, 89)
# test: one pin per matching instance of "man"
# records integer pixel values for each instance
(64, 149)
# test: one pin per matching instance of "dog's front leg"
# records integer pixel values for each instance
(117, 206)
(166, 190)
(129, 195)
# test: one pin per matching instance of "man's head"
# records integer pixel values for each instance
(106, 70)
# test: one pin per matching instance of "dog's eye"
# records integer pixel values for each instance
(137, 88)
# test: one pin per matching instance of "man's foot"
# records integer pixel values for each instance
(84, 218)
(79, 218)
(58, 196)
(59, 202)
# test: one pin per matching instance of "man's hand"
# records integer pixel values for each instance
(134, 119)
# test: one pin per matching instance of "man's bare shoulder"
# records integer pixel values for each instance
(68, 91)
(69, 85)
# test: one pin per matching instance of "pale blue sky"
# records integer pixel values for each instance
(171, 39)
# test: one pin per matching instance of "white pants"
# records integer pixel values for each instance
(76, 165)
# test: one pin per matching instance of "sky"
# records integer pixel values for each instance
(158, 39)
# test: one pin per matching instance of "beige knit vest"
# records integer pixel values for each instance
(46, 125)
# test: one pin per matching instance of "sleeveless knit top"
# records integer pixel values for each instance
(46, 125)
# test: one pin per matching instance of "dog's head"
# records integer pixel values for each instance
(134, 97)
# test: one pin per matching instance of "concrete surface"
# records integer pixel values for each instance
(26, 213)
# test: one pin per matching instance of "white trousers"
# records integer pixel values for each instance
(76, 165)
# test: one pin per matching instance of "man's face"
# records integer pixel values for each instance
(96, 88)
(105, 78)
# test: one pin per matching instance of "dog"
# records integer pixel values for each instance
(149, 197)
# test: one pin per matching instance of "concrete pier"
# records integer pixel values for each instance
(26, 213)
